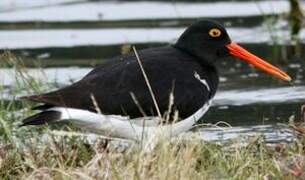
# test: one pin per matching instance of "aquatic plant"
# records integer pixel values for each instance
(296, 18)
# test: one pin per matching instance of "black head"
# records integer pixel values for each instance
(205, 40)
(209, 41)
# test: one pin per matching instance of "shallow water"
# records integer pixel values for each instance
(144, 10)
(250, 101)
(271, 133)
(33, 39)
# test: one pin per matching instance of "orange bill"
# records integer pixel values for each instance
(238, 51)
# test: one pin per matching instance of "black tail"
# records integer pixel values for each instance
(42, 118)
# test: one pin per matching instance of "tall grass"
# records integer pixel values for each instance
(39, 153)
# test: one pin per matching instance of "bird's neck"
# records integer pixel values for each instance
(207, 66)
(201, 58)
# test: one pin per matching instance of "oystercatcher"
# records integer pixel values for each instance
(117, 100)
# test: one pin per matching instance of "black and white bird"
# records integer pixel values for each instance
(115, 100)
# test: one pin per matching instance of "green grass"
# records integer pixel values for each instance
(38, 153)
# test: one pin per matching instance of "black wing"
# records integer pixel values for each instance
(168, 70)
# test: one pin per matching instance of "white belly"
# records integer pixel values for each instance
(138, 129)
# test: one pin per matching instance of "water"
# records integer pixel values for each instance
(249, 102)
(145, 10)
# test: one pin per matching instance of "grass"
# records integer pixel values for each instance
(40, 153)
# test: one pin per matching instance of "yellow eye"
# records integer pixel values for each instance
(214, 32)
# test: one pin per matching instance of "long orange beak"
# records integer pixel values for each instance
(245, 55)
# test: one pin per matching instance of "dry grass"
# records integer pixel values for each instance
(75, 158)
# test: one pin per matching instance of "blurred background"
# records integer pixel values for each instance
(67, 38)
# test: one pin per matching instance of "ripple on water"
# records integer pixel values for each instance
(263, 95)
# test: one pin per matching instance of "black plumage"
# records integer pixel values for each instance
(168, 70)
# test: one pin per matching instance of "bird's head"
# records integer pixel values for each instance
(209, 41)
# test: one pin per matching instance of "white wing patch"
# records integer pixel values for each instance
(203, 81)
